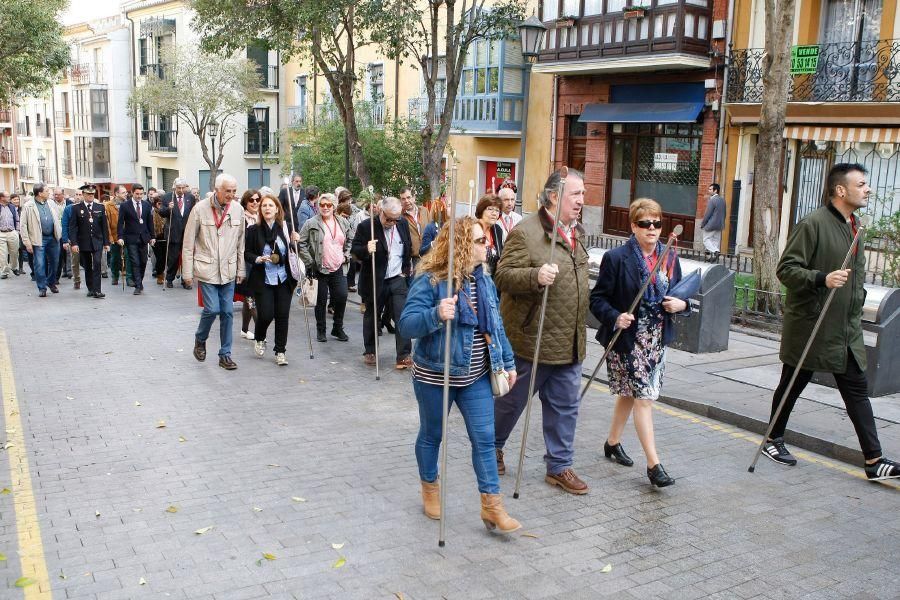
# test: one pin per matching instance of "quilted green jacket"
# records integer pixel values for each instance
(525, 250)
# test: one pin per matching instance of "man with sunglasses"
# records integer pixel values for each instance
(392, 247)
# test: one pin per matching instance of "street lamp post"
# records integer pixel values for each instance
(531, 33)
(213, 129)
(259, 112)
(42, 162)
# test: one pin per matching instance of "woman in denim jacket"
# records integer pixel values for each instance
(478, 346)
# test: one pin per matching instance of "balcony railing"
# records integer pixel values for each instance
(43, 129)
(67, 166)
(369, 113)
(268, 76)
(6, 157)
(26, 172)
(63, 119)
(156, 69)
(296, 117)
(677, 28)
(92, 170)
(86, 73)
(23, 129)
(162, 141)
(45, 174)
(494, 112)
(5, 115)
(252, 142)
(850, 72)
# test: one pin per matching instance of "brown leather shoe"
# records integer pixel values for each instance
(431, 499)
(501, 466)
(568, 481)
(494, 515)
(77, 285)
(159, 279)
(200, 350)
(404, 363)
(369, 359)
(226, 363)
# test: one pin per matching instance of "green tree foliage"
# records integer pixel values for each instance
(198, 89)
(32, 51)
(392, 154)
(884, 237)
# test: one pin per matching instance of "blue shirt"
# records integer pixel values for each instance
(46, 218)
(275, 274)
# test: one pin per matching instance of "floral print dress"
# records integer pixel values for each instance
(639, 374)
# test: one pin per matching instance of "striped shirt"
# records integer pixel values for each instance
(478, 366)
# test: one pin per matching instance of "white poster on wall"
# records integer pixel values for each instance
(663, 161)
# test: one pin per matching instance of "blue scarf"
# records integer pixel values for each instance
(483, 308)
(658, 289)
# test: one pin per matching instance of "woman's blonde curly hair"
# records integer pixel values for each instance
(435, 262)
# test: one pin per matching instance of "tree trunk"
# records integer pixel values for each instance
(769, 147)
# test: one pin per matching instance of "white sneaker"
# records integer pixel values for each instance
(249, 335)
(260, 348)
(280, 359)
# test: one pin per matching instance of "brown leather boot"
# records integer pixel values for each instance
(431, 499)
(494, 515)
(501, 466)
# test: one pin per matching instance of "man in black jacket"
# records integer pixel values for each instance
(176, 207)
(88, 236)
(135, 232)
(392, 247)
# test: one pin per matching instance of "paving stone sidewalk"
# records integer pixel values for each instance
(292, 461)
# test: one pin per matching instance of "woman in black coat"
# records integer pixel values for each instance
(487, 211)
(270, 279)
(636, 363)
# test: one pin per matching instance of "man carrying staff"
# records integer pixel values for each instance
(521, 276)
(816, 246)
(176, 207)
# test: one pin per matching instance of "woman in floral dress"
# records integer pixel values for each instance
(637, 361)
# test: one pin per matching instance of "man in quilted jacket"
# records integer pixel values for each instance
(521, 275)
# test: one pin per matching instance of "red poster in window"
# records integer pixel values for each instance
(495, 172)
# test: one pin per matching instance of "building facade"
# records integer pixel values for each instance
(167, 149)
(844, 106)
(636, 104)
(9, 166)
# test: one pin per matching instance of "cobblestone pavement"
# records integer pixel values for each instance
(313, 465)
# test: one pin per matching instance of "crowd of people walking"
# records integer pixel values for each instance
(267, 247)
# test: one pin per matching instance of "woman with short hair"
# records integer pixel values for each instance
(636, 363)
(488, 212)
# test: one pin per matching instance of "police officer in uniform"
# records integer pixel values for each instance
(88, 236)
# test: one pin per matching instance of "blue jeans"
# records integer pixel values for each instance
(46, 258)
(476, 403)
(218, 300)
(557, 387)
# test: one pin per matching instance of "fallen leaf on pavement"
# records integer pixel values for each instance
(5, 491)
(203, 530)
(181, 438)
(24, 582)
(172, 509)
(257, 509)
(269, 556)
(531, 535)
(2, 557)
(142, 581)
(339, 563)
(273, 465)
(14, 413)
(337, 546)
(398, 595)
(62, 575)
(180, 350)
(97, 513)
(137, 509)
(69, 398)
(606, 569)
(160, 424)
(136, 403)
(298, 499)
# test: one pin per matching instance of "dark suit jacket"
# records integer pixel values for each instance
(358, 250)
(130, 227)
(254, 244)
(618, 282)
(284, 198)
(88, 236)
(170, 207)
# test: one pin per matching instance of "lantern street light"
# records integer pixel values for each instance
(42, 162)
(260, 113)
(531, 34)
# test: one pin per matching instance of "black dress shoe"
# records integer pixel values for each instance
(200, 350)
(320, 336)
(339, 334)
(42, 294)
(53, 288)
(137, 291)
(617, 453)
(104, 275)
(659, 477)
(99, 295)
(169, 284)
(226, 363)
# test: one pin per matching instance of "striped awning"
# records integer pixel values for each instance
(874, 135)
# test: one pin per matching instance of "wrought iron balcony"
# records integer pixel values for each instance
(850, 72)
(252, 142)
(296, 117)
(496, 113)
(26, 172)
(86, 73)
(6, 157)
(662, 35)
(162, 141)
(368, 113)
(67, 166)
(63, 119)
(23, 129)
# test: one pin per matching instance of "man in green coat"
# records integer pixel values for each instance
(810, 268)
(522, 274)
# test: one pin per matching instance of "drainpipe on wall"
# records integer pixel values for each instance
(55, 147)
(137, 173)
(721, 154)
(553, 113)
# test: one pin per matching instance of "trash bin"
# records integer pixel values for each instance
(881, 334)
(707, 329)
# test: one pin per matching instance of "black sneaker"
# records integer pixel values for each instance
(883, 469)
(775, 450)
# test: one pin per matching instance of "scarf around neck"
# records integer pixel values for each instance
(482, 307)
(658, 288)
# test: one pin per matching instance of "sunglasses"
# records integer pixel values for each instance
(326, 205)
(387, 219)
(647, 224)
(254, 199)
(480, 241)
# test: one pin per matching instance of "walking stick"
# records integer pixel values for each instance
(374, 305)
(165, 269)
(471, 196)
(672, 236)
(300, 283)
(123, 273)
(446, 396)
(563, 173)
(864, 222)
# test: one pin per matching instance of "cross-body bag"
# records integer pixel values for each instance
(293, 259)
(499, 379)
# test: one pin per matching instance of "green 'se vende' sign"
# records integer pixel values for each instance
(804, 60)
